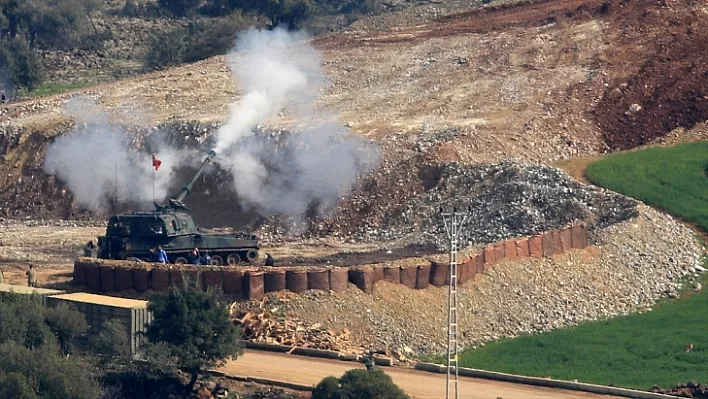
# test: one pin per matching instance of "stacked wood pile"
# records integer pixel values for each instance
(264, 326)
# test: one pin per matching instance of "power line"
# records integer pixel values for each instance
(456, 221)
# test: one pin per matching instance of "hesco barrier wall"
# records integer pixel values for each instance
(255, 282)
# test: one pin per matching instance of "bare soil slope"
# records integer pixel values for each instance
(537, 81)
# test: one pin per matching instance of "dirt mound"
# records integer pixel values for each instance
(670, 89)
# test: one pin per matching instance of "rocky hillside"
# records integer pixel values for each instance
(530, 83)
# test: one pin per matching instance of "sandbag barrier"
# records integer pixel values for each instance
(255, 282)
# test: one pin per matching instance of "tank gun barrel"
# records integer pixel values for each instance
(188, 188)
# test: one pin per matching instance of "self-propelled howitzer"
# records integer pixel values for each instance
(171, 226)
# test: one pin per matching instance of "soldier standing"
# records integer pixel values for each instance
(194, 258)
(31, 276)
(369, 360)
(88, 248)
(269, 261)
(161, 255)
(2, 278)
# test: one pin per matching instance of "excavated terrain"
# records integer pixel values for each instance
(466, 108)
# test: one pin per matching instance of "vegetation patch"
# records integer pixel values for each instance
(666, 347)
(674, 179)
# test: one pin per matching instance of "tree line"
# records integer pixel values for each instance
(50, 354)
(29, 25)
(209, 27)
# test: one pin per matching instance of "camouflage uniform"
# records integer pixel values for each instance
(369, 361)
(31, 277)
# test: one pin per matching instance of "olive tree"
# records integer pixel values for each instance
(194, 328)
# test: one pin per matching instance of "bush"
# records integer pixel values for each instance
(31, 365)
(21, 62)
(213, 37)
(67, 325)
(15, 386)
(130, 9)
(166, 49)
(112, 340)
(198, 41)
(47, 375)
(194, 328)
(179, 8)
(359, 383)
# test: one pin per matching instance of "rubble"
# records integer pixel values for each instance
(630, 265)
(690, 390)
(505, 200)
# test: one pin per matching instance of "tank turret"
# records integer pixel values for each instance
(172, 227)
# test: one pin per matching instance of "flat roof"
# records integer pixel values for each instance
(103, 300)
(23, 289)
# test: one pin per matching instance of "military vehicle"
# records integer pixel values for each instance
(172, 227)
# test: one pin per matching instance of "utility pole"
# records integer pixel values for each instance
(455, 220)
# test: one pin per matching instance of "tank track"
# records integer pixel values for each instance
(219, 257)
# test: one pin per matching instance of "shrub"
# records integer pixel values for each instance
(359, 383)
(166, 49)
(67, 325)
(194, 328)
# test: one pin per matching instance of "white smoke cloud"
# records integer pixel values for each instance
(283, 175)
(96, 158)
(279, 69)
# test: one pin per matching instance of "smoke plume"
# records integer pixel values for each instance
(97, 161)
(313, 166)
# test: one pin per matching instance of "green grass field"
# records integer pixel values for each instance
(674, 179)
(49, 89)
(635, 351)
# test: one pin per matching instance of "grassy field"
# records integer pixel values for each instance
(635, 351)
(674, 179)
(49, 89)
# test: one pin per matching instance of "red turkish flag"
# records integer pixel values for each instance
(156, 162)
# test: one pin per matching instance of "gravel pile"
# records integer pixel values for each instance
(505, 200)
(630, 266)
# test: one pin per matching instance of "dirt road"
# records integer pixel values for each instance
(420, 385)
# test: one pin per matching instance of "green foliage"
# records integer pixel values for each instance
(112, 340)
(15, 386)
(31, 364)
(208, 38)
(635, 351)
(29, 328)
(21, 62)
(48, 374)
(195, 328)
(130, 9)
(67, 325)
(674, 179)
(198, 41)
(57, 24)
(359, 383)
(179, 8)
(166, 49)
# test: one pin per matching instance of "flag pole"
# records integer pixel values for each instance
(153, 181)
